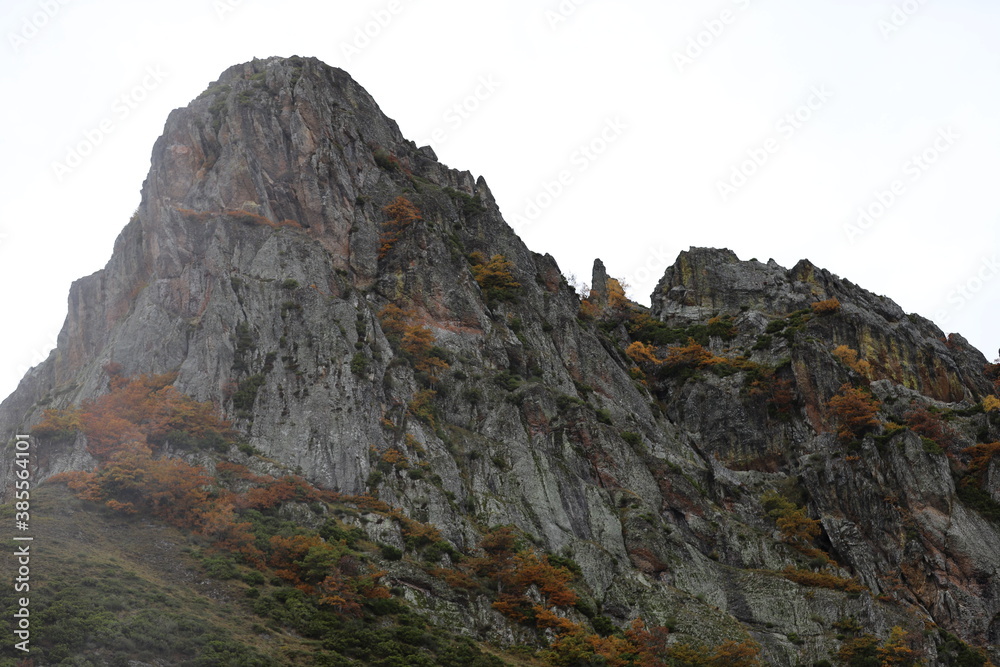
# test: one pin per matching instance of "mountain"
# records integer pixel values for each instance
(323, 382)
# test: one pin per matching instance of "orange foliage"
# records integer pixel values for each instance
(140, 410)
(822, 580)
(277, 491)
(58, 423)
(547, 619)
(416, 340)
(396, 458)
(220, 523)
(895, 651)
(132, 480)
(854, 410)
(736, 654)
(641, 353)
(394, 319)
(796, 527)
(455, 578)
(401, 214)
(692, 354)
(552, 581)
(849, 357)
(233, 471)
(650, 643)
(642, 647)
(588, 310)
(827, 307)
(286, 554)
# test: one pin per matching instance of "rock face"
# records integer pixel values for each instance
(259, 267)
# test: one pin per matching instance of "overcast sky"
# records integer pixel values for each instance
(860, 134)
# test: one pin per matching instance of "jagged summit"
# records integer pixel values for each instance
(774, 457)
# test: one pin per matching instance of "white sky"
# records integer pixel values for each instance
(677, 130)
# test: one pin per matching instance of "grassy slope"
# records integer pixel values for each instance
(107, 589)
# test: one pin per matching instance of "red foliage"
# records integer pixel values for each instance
(275, 492)
(925, 423)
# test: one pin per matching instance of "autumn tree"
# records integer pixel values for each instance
(618, 303)
(827, 307)
(854, 410)
(57, 423)
(401, 213)
(895, 651)
(849, 357)
(691, 355)
(415, 340)
(796, 528)
(495, 277)
(641, 353)
(146, 409)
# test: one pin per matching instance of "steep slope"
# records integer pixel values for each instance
(765, 454)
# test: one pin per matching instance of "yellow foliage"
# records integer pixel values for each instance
(991, 403)
(641, 353)
(849, 357)
(617, 301)
(895, 652)
(496, 278)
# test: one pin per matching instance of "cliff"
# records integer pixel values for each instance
(339, 294)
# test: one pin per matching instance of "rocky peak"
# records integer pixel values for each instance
(365, 318)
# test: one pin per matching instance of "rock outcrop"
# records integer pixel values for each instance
(259, 268)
